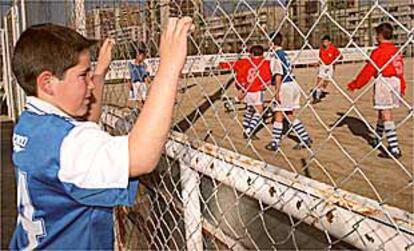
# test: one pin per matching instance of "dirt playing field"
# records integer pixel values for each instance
(340, 155)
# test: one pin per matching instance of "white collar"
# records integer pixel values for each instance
(40, 106)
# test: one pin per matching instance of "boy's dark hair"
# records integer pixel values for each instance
(277, 38)
(142, 49)
(326, 37)
(385, 29)
(46, 47)
(256, 50)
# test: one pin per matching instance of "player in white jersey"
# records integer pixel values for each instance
(287, 97)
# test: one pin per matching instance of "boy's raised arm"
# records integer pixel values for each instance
(148, 136)
(102, 66)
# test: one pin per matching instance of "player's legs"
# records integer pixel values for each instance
(390, 132)
(386, 97)
(322, 80)
(132, 97)
(379, 130)
(277, 130)
(141, 94)
(324, 86)
(317, 91)
(300, 130)
(254, 100)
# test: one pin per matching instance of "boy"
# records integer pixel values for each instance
(328, 54)
(252, 76)
(70, 173)
(139, 80)
(287, 96)
(389, 86)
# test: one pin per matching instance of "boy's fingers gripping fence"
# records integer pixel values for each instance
(217, 187)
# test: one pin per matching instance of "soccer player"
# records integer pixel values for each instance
(287, 97)
(387, 67)
(139, 80)
(252, 76)
(70, 174)
(328, 55)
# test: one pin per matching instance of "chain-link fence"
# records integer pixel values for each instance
(218, 188)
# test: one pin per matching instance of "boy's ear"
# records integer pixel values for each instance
(45, 81)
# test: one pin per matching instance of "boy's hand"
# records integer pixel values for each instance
(173, 45)
(351, 86)
(277, 96)
(105, 57)
(240, 95)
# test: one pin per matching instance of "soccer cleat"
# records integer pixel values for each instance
(316, 97)
(303, 145)
(272, 146)
(229, 105)
(396, 154)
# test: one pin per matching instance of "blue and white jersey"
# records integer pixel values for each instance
(70, 175)
(138, 72)
(281, 65)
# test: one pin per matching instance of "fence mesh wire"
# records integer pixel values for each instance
(215, 186)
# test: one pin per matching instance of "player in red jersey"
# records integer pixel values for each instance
(328, 55)
(387, 66)
(252, 76)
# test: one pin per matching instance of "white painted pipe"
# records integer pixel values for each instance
(190, 184)
(348, 217)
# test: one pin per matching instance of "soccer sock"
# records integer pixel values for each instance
(254, 123)
(391, 135)
(379, 130)
(318, 93)
(277, 133)
(300, 130)
(247, 117)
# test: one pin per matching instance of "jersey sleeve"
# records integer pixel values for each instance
(276, 66)
(366, 73)
(94, 168)
(337, 53)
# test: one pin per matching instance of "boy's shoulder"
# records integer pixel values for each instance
(37, 123)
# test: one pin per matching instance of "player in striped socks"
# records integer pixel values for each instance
(389, 86)
(287, 97)
(253, 74)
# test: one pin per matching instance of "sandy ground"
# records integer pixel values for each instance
(340, 155)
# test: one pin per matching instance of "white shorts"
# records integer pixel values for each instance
(138, 92)
(289, 97)
(387, 93)
(254, 98)
(326, 72)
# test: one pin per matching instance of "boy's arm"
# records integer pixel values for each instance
(102, 66)
(276, 68)
(278, 84)
(365, 75)
(148, 136)
(339, 55)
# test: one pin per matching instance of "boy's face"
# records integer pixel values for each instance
(73, 94)
(326, 43)
(140, 57)
(379, 37)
